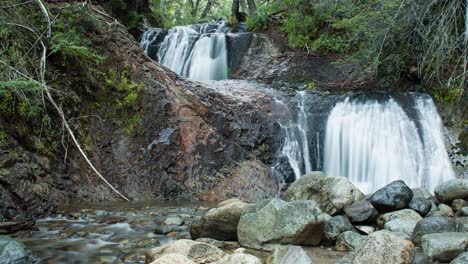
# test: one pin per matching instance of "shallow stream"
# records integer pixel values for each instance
(116, 232)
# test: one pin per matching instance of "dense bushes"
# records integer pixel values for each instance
(386, 39)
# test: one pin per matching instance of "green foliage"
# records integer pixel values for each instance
(330, 43)
(126, 95)
(258, 21)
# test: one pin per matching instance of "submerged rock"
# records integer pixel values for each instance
(266, 223)
(332, 194)
(451, 190)
(14, 252)
(287, 255)
(361, 212)
(444, 246)
(219, 223)
(394, 196)
(196, 251)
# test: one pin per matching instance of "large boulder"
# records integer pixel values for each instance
(348, 241)
(384, 248)
(361, 212)
(264, 224)
(403, 214)
(288, 255)
(421, 205)
(444, 246)
(14, 252)
(432, 225)
(239, 258)
(330, 193)
(337, 225)
(173, 258)
(198, 252)
(394, 196)
(451, 190)
(219, 223)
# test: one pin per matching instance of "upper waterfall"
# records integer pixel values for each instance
(198, 52)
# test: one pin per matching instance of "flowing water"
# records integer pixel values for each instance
(373, 139)
(198, 52)
(110, 232)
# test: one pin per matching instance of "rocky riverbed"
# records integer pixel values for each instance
(319, 219)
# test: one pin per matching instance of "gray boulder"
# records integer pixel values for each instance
(443, 210)
(267, 223)
(421, 258)
(337, 225)
(432, 225)
(460, 259)
(361, 212)
(14, 252)
(401, 225)
(348, 241)
(462, 223)
(288, 255)
(394, 196)
(383, 248)
(330, 193)
(444, 246)
(451, 190)
(421, 205)
(219, 223)
(421, 192)
(405, 214)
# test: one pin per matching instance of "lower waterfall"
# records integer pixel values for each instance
(372, 141)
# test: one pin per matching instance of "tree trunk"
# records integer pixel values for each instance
(243, 6)
(252, 7)
(235, 14)
(207, 9)
(465, 67)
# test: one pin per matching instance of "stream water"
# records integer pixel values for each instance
(110, 232)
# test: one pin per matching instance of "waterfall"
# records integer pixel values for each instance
(198, 52)
(296, 143)
(373, 143)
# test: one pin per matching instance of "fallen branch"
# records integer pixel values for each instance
(59, 110)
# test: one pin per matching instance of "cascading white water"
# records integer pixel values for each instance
(374, 143)
(296, 144)
(438, 167)
(196, 51)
